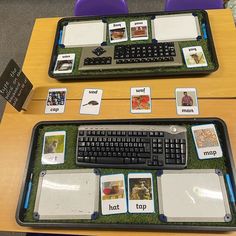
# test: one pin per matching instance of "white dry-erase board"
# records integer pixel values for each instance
(84, 33)
(193, 196)
(67, 194)
(176, 27)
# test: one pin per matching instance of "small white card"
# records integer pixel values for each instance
(206, 141)
(186, 101)
(118, 32)
(194, 57)
(138, 30)
(64, 63)
(140, 193)
(53, 148)
(113, 194)
(91, 102)
(56, 100)
(140, 100)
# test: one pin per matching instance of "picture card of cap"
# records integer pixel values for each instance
(15, 87)
(118, 32)
(193, 195)
(64, 63)
(186, 101)
(140, 193)
(56, 100)
(138, 30)
(53, 147)
(113, 194)
(84, 33)
(67, 194)
(206, 141)
(194, 57)
(91, 101)
(176, 27)
(140, 100)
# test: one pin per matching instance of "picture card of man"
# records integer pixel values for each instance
(186, 101)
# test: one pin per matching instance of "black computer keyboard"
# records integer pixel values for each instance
(132, 146)
(131, 56)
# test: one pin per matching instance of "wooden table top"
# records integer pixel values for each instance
(15, 135)
(215, 85)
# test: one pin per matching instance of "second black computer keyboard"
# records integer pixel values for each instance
(132, 146)
(166, 54)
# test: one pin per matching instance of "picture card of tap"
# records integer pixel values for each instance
(84, 33)
(176, 27)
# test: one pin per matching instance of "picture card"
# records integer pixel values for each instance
(15, 87)
(140, 193)
(140, 100)
(194, 57)
(53, 148)
(118, 32)
(91, 101)
(139, 30)
(186, 101)
(64, 63)
(113, 194)
(206, 141)
(56, 100)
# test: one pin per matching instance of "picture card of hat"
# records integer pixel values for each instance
(113, 194)
(83, 33)
(67, 194)
(175, 27)
(206, 141)
(53, 147)
(15, 87)
(193, 195)
(118, 32)
(140, 193)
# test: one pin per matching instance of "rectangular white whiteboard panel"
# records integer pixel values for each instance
(193, 196)
(67, 194)
(84, 33)
(176, 27)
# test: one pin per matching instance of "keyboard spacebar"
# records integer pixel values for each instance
(108, 160)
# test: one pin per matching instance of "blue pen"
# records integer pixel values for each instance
(231, 191)
(204, 31)
(28, 192)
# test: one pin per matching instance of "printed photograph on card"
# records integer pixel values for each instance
(206, 141)
(194, 57)
(140, 100)
(91, 101)
(64, 63)
(118, 32)
(140, 193)
(186, 101)
(56, 100)
(113, 194)
(53, 148)
(138, 30)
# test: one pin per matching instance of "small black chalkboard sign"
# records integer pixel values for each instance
(15, 86)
